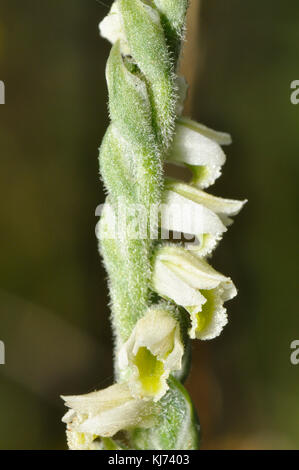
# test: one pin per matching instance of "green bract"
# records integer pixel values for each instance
(177, 426)
(148, 47)
(173, 20)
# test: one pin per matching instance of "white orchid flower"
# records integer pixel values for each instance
(191, 282)
(112, 29)
(103, 414)
(190, 210)
(199, 148)
(153, 351)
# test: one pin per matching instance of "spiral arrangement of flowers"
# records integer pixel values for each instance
(163, 293)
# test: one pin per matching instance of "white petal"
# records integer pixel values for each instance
(222, 138)
(131, 414)
(169, 285)
(69, 416)
(192, 147)
(216, 204)
(96, 402)
(111, 28)
(181, 214)
(191, 269)
(193, 211)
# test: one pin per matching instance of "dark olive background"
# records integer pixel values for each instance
(54, 317)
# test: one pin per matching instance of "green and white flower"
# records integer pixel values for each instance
(104, 413)
(199, 148)
(191, 282)
(153, 351)
(192, 211)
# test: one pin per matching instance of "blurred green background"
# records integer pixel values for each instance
(54, 317)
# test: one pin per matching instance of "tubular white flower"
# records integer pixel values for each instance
(192, 283)
(198, 147)
(153, 351)
(112, 29)
(103, 414)
(190, 210)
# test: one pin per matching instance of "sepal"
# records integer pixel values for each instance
(177, 426)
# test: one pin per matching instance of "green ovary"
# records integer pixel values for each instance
(205, 316)
(199, 173)
(150, 370)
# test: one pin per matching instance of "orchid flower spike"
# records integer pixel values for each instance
(152, 281)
